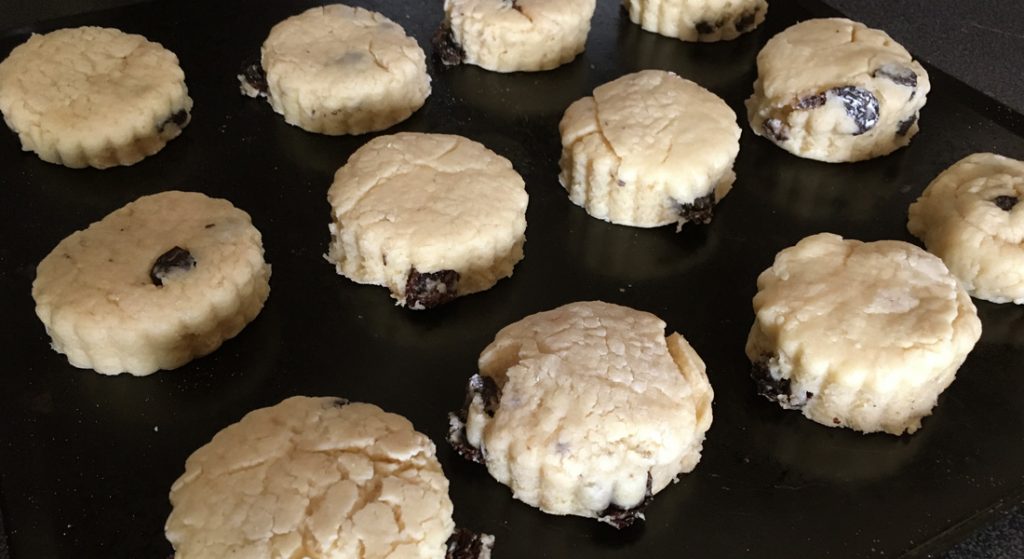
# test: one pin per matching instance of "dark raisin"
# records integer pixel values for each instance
(810, 102)
(340, 402)
(209, 226)
(767, 385)
(861, 106)
(464, 544)
(457, 439)
(904, 126)
(835, 421)
(488, 391)
(179, 119)
(447, 50)
(254, 76)
(897, 73)
(490, 395)
(516, 6)
(745, 21)
(1005, 203)
(428, 290)
(705, 27)
(624, 518)
(173, 261)
(700, 210)
(776, 130)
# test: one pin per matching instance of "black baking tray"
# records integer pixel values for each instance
(86, 461)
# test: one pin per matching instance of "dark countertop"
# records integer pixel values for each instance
(974, 41)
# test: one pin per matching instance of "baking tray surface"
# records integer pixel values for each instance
(86, 461)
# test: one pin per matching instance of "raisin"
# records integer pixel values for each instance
(464, 544)
(255, 76)
(705, 27)
(175, 260)
(179, 119)
(701, 210)
(428, 290)
(490, 395)
(516, 6)
(448, 51)
(1005, 203)
(898, 74)
(488, 391)
(904, 126)
(767, 385)
(861, 106)
(340, 402)
(623, 518)
(776, 130)
(457, 438)
(745, 21)
(810, 102)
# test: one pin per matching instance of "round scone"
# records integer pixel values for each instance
(317, 478)
(586, 409)
(835, 90)
(649, 149)
(163, 280)
(859, 335)
(697, 20)
(93, 97)
(336, 70)
(513, 35)
(970, 217)
(429, 216)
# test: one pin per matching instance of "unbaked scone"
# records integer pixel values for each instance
(429, 216)
(513, 35)
(859, 335)
(587, 409)
(970, 217)
(163, 280)
(93, 97)
(835, 90)
(697, 20)
(336, 70)
(316, 478)
(649, 149)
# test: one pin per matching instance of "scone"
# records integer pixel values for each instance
(859, 335)
(429, 216)
(587, 409)
(93, 97)
(336, 69)
(971, 218)
(163, 280)
(697, 20)
(835, 90)
(649, 149)
(513, 35)
(317, 478)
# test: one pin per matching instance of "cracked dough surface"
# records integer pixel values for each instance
(697, 20)
(519, 35)
(970, 216)
(800, 103)
(429, 203)
(95, 294)
(593, 399)
(314, 478)
(93, 96)
(861, 335)
(645, 144)
(337, 70)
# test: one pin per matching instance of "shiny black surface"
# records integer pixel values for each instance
(86, 461)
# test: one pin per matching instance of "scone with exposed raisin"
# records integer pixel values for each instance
(429, 216)
(971, 217)
(163, 280)
(835, 90)
(317, 478)
(513, 35)
(859, 335)
(697, 20)
(649, 149)
(93, 97)
(587, 409)
(336, 69)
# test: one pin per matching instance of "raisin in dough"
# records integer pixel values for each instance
(859, 335)
(835, 90)
(697, 20)
(154, 284)
(970, 217)
(429, 216)
(316, 478)
(93, 97)
(587, 409)
(649, 149)
(513, 35)
(340, 70)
